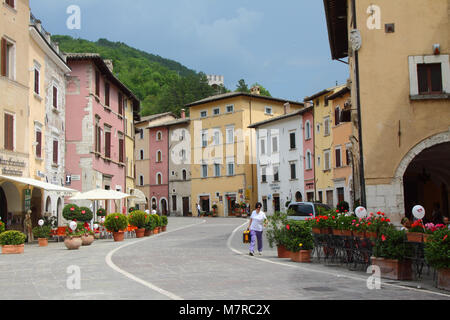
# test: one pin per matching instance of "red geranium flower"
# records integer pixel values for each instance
(83, 212)
(445, 237)
(116, 217)
(383, 237)
(72, 209)
(288, 227)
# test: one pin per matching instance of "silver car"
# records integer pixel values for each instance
(304, 210)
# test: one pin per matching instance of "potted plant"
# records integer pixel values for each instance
(277, 233)
(116, 223)
(390, 254)
(85, 214)
(12, 242)
(214, 207)
(415, 233)
(164, 222)
(437, 255)
(359, 227)
(343, 223)
(300, 241)
(138, 218)
(149, 225)
(88, 236)
(157, 224)
(101, 212)
(244, 209)
(430, 228)
(342, 207)
(2, 227)
(42, 234)
(73, 241)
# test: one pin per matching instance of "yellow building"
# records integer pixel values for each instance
(323, 145)
(223, 150)
(398, 54)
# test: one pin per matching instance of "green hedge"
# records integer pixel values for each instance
(137, 218)
(116, 222)
(12, 238)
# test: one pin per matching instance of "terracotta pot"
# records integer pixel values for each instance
(43, 242)
(87, 240)
(148, 233)
(394, 269)
(414, 236)
(316, 230)
(140, 232)
(337, 232)
(359, 234)
(119, 236)
(325, 231)
(13, 249)
(444, 279)
(73, 243)
(164, 228)
(283, 252)
(425, 237)
(156, 230)
(301, 256)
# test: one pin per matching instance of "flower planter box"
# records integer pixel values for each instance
(148, 233)
(337, 232)
(156, 231)
(414, 236)
(118, 236)
(444, 279)
(43, 242)
(316, 230)
(87, 240)
(140, 232)
(283, 252)
(347, 233)
(73, 243)
(164, 228)
(359, 234)
(371, 235)
(301, 256)
(394, 269)
(13, 249)
(425, 237)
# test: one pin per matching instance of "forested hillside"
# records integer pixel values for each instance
(161, 84)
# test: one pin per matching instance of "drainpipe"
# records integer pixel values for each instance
(358, 106)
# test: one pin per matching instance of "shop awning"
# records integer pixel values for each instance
(38, 184)
(101, 194)
(139, 196)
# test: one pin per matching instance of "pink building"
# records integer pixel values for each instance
(159, 167)
(95, 126)
(308, 151)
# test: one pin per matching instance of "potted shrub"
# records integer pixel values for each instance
(415, 233)
(116, 223)
(42, 234)
(390, 254)
(164, 222)
(148, 225)
(214, 207)
(157, 224)
(277, 233)
(437, 255)
(71, 212)
(343, 223)
(138, 218)
(73, 241)
(343, 207)
(300, 241)
(85, 214)
(12, 242)
(101, 212)
(88, 236)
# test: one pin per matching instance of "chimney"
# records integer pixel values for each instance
(255, 90)
(109, 64)
(48, 37)
(56, 46)
(183, 114)
(38, 25)
(287, 108)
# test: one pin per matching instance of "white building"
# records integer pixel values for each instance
(215, 80)
(280, 160)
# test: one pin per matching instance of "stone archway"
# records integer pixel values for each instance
(11, 209)
(36, 206)
(426, 160)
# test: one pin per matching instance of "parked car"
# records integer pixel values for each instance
(303, 210)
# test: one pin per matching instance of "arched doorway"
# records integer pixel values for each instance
(163, 207)
(59, 208)
(11, 206)
(36, 206)
(298, 196)
(426, 180)
(48, 205)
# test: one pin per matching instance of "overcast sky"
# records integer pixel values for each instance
(283, 45)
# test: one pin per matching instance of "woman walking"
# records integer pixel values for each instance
(258, 221)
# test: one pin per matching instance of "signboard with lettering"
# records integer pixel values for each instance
(27, 193)
(11, 167)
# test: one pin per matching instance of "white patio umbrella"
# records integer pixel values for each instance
(101, 194)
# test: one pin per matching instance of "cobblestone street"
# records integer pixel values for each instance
(196, 259)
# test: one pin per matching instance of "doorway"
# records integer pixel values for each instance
(186, 206)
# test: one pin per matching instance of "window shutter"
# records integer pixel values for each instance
(108, 144)
(55, 151)
(55, 97)
(39, 143)
(107, 94)
(292, 136)
(36, 81)
(121, 150)
(120, 103)
(9, 132)
(338, 158)
(3, 62)
(97, 83)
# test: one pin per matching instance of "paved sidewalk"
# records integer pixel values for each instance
(195, 259)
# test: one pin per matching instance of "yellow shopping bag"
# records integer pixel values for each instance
(246, 236)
